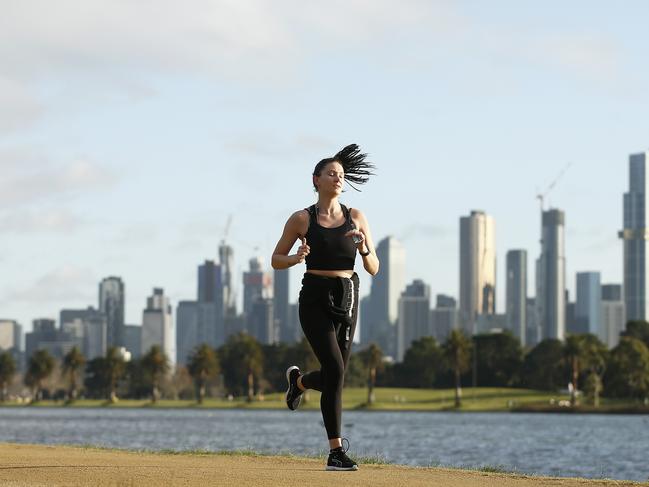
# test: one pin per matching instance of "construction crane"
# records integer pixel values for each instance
(541, 196)
(227, 229)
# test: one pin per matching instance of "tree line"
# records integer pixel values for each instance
(242, 367)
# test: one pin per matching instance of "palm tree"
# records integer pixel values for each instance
(7, 371)
(155, 364)
(73, 362)
(41, 365)
(457, 351)
(203, 365)
(573, 352)
(115, 368)
(372, 358)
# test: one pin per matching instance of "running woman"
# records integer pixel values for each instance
(331, 234)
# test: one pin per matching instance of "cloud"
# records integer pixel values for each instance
(29, 178)
(18, 107)
(259, 144)
(43, 220)
(64, 284)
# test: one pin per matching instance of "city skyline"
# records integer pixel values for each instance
(127, 146)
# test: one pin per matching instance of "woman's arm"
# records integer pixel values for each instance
(370, 261)
(295, 228)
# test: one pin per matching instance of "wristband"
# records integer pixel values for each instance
(365, 254)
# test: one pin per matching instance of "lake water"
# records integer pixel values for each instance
(595, 446)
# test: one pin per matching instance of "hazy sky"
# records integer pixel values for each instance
(130, 130)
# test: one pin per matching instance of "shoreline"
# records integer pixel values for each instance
(28, 464)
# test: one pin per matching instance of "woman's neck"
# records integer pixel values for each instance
(328, 206)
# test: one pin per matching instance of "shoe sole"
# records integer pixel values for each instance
(341, 469)
(288, 380)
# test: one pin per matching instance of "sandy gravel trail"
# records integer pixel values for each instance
(39, 465)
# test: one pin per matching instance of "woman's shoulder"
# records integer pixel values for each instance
(300, 216)
(356, 213)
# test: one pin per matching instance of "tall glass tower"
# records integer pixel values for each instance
(551, 277)
(635, 237)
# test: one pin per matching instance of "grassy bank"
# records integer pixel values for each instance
(482, 399)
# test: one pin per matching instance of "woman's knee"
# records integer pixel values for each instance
(333, 374)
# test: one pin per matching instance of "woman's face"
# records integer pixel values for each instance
(331, 179)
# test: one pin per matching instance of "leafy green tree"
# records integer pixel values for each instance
(7, 371)
(275, 363)
(372, 358)
(499, 359)
(241, 360)
(421, 363)
(627, 374)
(637, 329)
(96, 382)
(115, 366)
(573, 353)
(155, 365)
(40, 367)
(543, 366)
(457, 352)
(202, 366)
(594, 359)
(73, 362)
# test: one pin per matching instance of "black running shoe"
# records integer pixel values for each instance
(294, 393)
(338, 460)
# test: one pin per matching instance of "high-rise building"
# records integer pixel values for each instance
(111, 304)
(588, 304)
(10, 335)
(189, 332)
(414, 316)
(261, 323)
(89, 326)
(532, 331)
(45, 336)
(613, 314)
(516, 304)
(551, 277)
(256, 284)
(477, 268)
(157, 325)
(636, 239)
(133, 340)
(444, 317)
(211, 313)
(380, 312)
(226, 261)
(280, 306)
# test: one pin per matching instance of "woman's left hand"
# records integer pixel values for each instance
(357, 236)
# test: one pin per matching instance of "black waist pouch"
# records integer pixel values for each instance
(338, 295)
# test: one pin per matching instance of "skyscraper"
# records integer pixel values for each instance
(226, 257)
(111, 304)
(477, 268)
(516, 305)
(636, 238)
(211, 316)
(588, 305)
(89, 326)
(157, 325)
(444, 317)
(380, 314)
(613, 315)
(280, 305)
(551, 277)
(414, 316)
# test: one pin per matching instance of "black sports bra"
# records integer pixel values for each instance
(330, 249)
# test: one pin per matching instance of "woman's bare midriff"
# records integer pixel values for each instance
(331, 273)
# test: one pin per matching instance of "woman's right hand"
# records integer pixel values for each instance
(302, 251)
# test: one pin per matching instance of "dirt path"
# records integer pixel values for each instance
(30, 465)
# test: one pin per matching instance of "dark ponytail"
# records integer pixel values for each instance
(357, 169)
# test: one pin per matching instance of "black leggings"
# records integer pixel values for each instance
(320, 330)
